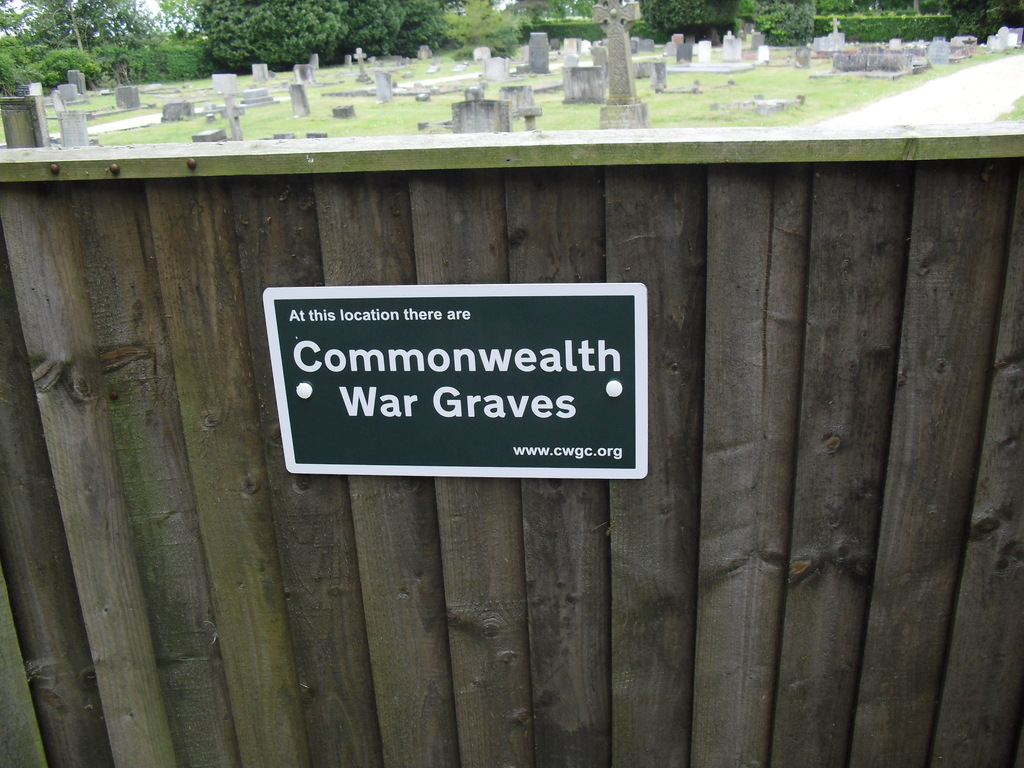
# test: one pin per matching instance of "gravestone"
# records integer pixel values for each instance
(764, 54)
(425, 54)
(873, 61)
(35, 89)
(938, 53)
(300, 99)
(260, 73)
(314, 61)
(622, 109)
(802, 59)
(384, 87)
(496, 69)
(1016, 37)
(77, 78)
(481, 53)
(539, 53)
(678, 38)
(225, 84)
(212, 134)
(895, 44)
(304, 74)
(474, 93)
(634, 45)
(583, 85)
(73, 130)
(127, 97)
(572, 46)
(704, 52)
(600, 56)
(175, 111)
(256, 97)
(645, 45)
(485, 116)
(756, 41)
(732, 48)
(344, 112)
(359, 56)
(669, 51)
(518, 96)
(684, 52)
(68, 92)
(641, 70)
(659, 76)
(57, 101)
(24, 120)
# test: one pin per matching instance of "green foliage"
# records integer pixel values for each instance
(880, 29)
(172, 61)
(53, 70)
(479, 24)
(1008, 13)
(536, 10)
(785, 22)
(697, 17)
(8, 75)
(86, 24)
(424, 24)
(373, 25)
(563, 28)
(278, 33)
(179, 18)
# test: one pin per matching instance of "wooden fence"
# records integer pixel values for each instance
(824, 566)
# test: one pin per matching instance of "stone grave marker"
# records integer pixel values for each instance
(572, 46)
(704, 52)
(176, 111)
(314, 61)
(77, 78)
(802, 59)
(127, 97)
(659, 76)
(622, 109)
(300, 99)
(24, 120)
(225, 85)
(425, 53)
(756, 40)
(35, 89)
(583, 85)
(684, 52)
(474, 93)
(304, 74)
(57, 101)
(260, 73)
(678, 39)
(361, 57)
(344, 112)
(68, 92)
(641, 70)
(256, 97)
(211, 134)
(540, 53)
(895, 44)
(669, 51)
(496, 69)
(73, 130)
(732, 48)
(645, 45)
(384, 87)
(600, 56)
(485, 116)
(481, 53)
(634, 45)
(938, 53)
(519, 96)
(571, 61)
(764, 54)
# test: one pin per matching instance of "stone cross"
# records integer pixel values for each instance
(623, 109)
(835, 25)
(359, 56)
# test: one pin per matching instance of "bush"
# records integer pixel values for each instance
(172, 61)
(53, 70)
(880, 29)
(8, 76)
(563, 28)
(785, 22)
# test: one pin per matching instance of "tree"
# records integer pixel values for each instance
(86, 24)
(424, 24)
(785, 22)
(536, 10)
(179, 18)
(479, 24)
(695, 16)
(373, 25)
(276, 32)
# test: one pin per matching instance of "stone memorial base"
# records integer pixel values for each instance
(214, 134)
(625, 116)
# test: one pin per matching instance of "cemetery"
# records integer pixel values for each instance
(592, 407)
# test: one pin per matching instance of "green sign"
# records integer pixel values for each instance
(462, 380)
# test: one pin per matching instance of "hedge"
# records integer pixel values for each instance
(880, 29)
(171, 61)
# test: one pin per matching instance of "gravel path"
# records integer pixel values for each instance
(979, 94)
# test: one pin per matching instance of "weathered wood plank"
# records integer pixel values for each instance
(860, 219)
(279, 245)
(138, 379)
(197, 263)
(20, 741)
(981, 707)
(657, 235)
(37, 564)
(957, 252)
(758, 232)
(556, 234)
(460, 232)
(47, 265)
(366, 239)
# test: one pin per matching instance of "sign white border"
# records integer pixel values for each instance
(638, 291)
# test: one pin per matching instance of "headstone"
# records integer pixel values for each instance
(938, 53)
(58, 101)
(600, 56)
(645, 45)
(684, 52)
(678, 38)
(802, 59)
(127, 97)
(519, 96)
(423, 98)
(73, 130)
(384, 87)
(895, 44)
(344, 112)
(732, 48)
(482, 53)
(704, 52)
(304, 74)
(233, 113)
(256, 97)
(669, 51)
(634, 45)
(68, 92)
(641, 70)
(583, 85)
(659, 76)
(572, 46)
(764, 54)
(314, 61)
(361, 57)
(425, 54)
(486, 116)
(175, 111)
(24, 120)
(77, 78)
(35, 89)
(873, 61)
(496, 69)
(1016, 37)
(756, 41)
(474, 93)
(225, 84)
(995, 44)
(316, 135)
(260, 73)
(283, 136)
(300, 99)
(623, 109)
(212, 134)
(571, 61)
(539, 53)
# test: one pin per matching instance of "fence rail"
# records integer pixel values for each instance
(823, 567)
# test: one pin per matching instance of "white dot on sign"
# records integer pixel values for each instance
(613, 388)
(304, 390)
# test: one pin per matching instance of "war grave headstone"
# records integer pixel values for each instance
(540, 53)
(299, 98)
(24, 121)
(583, 85)
(260, 73)
(127, 97)
(496, 69)
(483, 116)
(77, 78)
(622, 108)
(73, 130)
(384, 87)
(519, 97)
(938, 52)
(732, 48)
(344, 112)
(659, 76)
(704, 52)
(175, 111)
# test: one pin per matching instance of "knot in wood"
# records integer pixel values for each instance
(211, 419)
(80, 389)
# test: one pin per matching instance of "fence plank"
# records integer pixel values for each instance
(758, 230)
(855, 298)
(46, 262)
(206, 323)
(139, 381)
(279, 245)
(480, 520)
(657, 235)
(981, 698)
(366, 236)
(37, 564)
(556, 234)
(957, 251)
(20, 741)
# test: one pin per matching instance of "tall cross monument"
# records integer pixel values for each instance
(622, 109)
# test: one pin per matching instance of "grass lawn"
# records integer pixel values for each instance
(824, 94)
